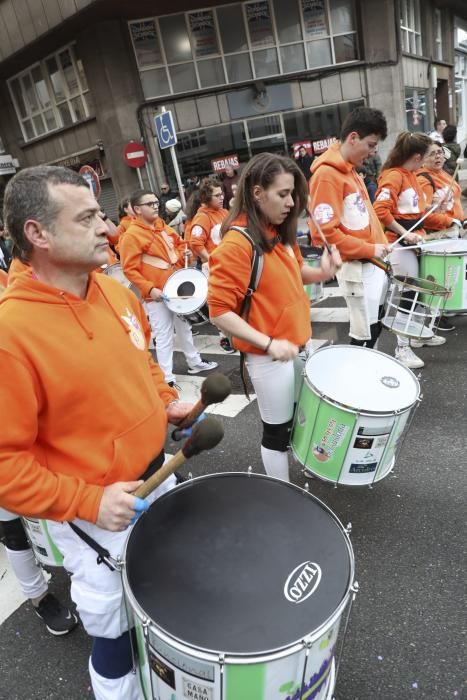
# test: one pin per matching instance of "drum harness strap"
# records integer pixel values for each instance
(257, 263)
(104, 556)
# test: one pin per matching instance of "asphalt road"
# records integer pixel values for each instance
(408, 627)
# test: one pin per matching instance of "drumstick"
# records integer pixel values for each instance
(214, 389)
(423, 246)
(206, 434)
(321, 234)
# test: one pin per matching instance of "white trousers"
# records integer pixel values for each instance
(98, 593)
(163, 324)
(275, 388)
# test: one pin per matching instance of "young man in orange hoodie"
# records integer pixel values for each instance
(150, 253)
(78, 432)
(341, 206)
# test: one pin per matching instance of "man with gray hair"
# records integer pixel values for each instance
(83, 408)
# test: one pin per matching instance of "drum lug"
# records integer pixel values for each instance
(354, 588)
(307, 486)
(190, 476)
(348, 528)
(250, 470)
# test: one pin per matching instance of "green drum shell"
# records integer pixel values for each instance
(314, 291)
(448, 269)
(42, 544)
(324, 445)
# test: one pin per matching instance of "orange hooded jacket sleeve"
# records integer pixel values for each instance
(279, 308)
(341, 206)
(80, 409)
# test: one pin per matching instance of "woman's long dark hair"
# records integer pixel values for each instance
(406, 146)
(262, 170)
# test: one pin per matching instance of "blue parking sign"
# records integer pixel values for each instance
(165, 129)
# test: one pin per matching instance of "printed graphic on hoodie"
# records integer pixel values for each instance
(135, 331)
(407, 202)
(355, 215)
(323, 213)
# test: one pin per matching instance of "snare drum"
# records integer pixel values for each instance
(238, 608)
(186, 291)
(116, 271)
(354, 407)
(40, 539)
(413, 306)
(447, 265)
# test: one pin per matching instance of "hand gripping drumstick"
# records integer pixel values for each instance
(206, 434)
(214, 389)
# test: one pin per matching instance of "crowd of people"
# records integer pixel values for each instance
(78, 455)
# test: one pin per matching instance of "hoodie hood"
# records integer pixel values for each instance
(332, 157)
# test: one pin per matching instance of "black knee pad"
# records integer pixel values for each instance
(375, 330)
(276, 436)
(14, 536)
(112, 658)
(360, 343)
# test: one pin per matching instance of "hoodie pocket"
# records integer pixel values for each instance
(294, 322)
(134, 449)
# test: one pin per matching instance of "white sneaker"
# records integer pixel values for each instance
(408, 358)
(202, 366)
(432, 342)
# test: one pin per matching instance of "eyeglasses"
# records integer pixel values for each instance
(154, 204)
(219, 195)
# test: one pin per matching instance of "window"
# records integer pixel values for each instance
(411, 26)
(415, 108)
(438, 35)
(51, 94)
(239, 42)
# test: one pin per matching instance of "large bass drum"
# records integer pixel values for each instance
(230, 607)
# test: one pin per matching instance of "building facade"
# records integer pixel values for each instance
(80, 79)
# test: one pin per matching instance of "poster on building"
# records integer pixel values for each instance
(219, 165)
(321, 145)
(258, 17)
(146, 43)
(314, 17)
(302, 144)
(203, 32)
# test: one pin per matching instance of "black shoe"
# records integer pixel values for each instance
(444, 325)
(57, 617)
(179, 478)
(226, 346)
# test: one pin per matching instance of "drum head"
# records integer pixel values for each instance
(186, 290)
(215, 563)
(362, 379)
(116, 271)
(448, 247)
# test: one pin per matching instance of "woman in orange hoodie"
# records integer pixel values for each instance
(440, 187)
(272, 193)
(206, 226)
(400, 203)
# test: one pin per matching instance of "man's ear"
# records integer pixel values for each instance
(36, 234)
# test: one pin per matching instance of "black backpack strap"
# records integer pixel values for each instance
(257, 263)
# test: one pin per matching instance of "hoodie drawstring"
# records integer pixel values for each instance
(115, 313)
(88, 332)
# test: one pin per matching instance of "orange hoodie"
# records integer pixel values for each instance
(82, 403)
(3, 281)
(444, 191)
(280, 308)
(205, 229)
(141, 238)
(17, 268)
(342, 207)
(122, 227)
(400, 197)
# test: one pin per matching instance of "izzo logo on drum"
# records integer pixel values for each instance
(302, 582)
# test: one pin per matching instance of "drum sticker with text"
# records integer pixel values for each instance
(368, 449)
(333, 438)
(164, 672)
(196, 691)
(135, 331)
(302, 582)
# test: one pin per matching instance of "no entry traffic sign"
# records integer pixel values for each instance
(134, 154)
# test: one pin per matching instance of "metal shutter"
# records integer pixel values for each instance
(108, 200)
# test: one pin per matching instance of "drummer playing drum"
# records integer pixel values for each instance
(150, 253)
